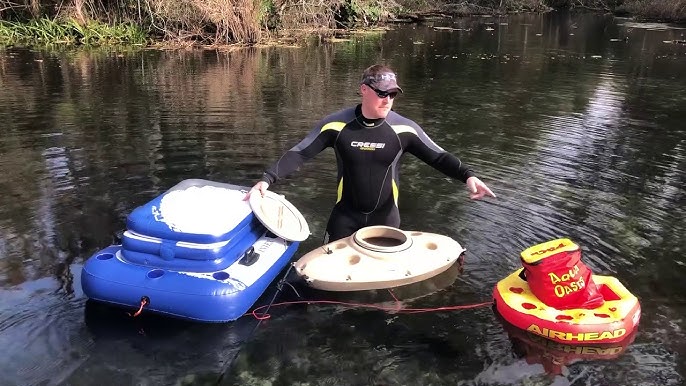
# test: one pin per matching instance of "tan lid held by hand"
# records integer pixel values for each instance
(279, 216)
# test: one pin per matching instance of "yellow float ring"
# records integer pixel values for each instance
(609, 323)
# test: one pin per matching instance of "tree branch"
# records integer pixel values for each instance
(8, 5)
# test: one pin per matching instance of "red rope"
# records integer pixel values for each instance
(398, 308)
(144, 302)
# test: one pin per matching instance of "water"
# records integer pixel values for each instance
(575, 121)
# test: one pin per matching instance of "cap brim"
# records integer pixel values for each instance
(387, 86)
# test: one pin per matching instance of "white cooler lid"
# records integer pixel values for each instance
(279, 216)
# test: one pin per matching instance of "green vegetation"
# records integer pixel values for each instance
(249, 22)
(47, 31)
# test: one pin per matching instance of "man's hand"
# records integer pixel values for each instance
(260, 187)
(477, 189)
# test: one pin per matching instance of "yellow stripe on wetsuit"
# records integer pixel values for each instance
(340, 191)
(404, 129)
(337, 126)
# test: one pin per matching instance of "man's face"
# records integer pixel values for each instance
(376, 104)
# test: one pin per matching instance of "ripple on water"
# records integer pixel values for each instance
(35, 318)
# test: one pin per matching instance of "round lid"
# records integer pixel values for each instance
(279, 216)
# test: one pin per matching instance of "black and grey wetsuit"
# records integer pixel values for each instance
(367, 152)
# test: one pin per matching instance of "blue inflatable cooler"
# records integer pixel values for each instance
(198, 252)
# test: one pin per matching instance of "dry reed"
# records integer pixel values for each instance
(673, 10)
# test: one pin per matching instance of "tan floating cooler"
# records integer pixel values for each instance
(378, 257)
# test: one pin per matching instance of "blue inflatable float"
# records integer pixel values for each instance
(198, 252)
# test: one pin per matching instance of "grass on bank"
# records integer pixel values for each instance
(250, 22)
(205, 22)
(47, 31)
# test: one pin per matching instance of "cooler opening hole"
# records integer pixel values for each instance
(105, 256)
(381, 241)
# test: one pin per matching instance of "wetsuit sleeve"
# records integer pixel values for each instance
(321, 137)
(417, 142)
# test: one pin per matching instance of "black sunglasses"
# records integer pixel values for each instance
(383, 94)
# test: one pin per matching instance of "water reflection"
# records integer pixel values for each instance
(556, 357)
(574, 120)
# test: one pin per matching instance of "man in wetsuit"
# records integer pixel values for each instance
(369, 140)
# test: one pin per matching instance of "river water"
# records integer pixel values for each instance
(575, 121)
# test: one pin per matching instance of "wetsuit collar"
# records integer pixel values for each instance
(367, 122)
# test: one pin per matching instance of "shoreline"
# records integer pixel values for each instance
(281, 38)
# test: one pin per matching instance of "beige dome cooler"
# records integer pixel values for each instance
(378, 257)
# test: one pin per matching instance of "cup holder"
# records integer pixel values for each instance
(221, 275)
(155, 274)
